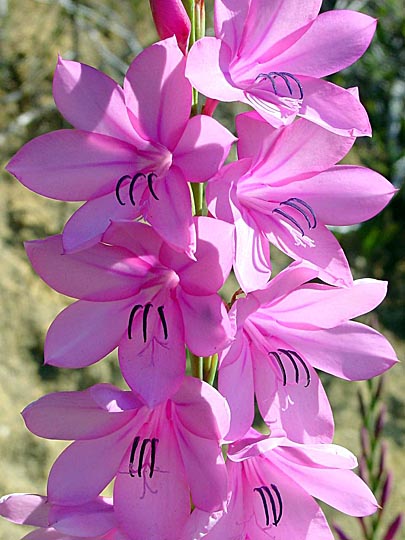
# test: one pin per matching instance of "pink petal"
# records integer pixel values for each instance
(319, 248)
(157, 507)
(49, 534)
(351, 351)
(229, 22)
(319, 306)
(334, 41)
(321, 455)
(213, 56)
(78, 165)
(202, 148)
(137, 237)
(334, 108)
(214, 255)
(95, 518)
(92, 101)
(154, 368)
(85, 332)
(201, 410)
(176, 226)
(157, 93)
(236, 367)
(99, 273)
(295, 152)
(72, 415)
(207, 327)
(205, 470)
(25, 509)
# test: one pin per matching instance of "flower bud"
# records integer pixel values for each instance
(394, 528)
(341, 534)
(170, 19)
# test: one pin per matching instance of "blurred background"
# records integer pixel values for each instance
(108, 34)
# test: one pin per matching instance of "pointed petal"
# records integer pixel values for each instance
(78, 165)
(351, 351)
(95, 518)
(214, 257)
(99, 273)
(48, 534)
(157, 93)
(202, 148)
(156, 507)
(333, 108)
(72, 415)
(207, 327)
(85, 332)
(334, 41)
(176, 226)
(92, 101)
(25, 509)
(153, 361)
(137, 237)
(201, 409)
(213, 56)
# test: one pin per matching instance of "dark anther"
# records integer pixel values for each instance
(145, 321)
(117, 188)
(276, 515)
(303, 208)
(132, 185)
(145, 443)
(286, 78)
(131, 319)
(132, 457)
(153, 456)
(281, 365)
(163, 321)
(151, 176)
(292, 355)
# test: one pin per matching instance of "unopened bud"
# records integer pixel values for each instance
(386, 491)
(394, 528)
(380, 423)
(341, 534)
(171, 19)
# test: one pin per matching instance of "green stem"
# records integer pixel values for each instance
(210, 368)
(197, 366)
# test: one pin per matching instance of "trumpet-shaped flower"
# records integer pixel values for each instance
(285, 331)
(132, 152)
(139, 294)
(272, 55)
(286, 189)
(94, 520)
(272, 485)
(158, 457)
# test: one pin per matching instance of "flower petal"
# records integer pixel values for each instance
(157, 93)
(95, 518)
(85, 332)
(25, 509)
(77, 166)
(202, 148)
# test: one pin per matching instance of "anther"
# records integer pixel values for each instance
(276, 514)
(292, 203)
(132, 456)
(132, 185)
(285, 76)
(281, 366)
(151, 176)
(117, 188)
(145, 321)
(163, 321)
(266, 508)
(153, 456)
(290, 218)
(292, 356)
(131, 319)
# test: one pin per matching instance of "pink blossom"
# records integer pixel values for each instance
(285, 331)
(170, 19)
(286, 189)
(273, 482)
(137, 293)
(94, 520)
(132, 152)
(272, 55)
(158, 457)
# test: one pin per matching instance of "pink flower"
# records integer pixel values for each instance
(170, 19)
(285, 331)
(158, 457)
(132, 152)
(272, 55)
(94, 520)
(273, 482)
(137, 293)
(286, 189)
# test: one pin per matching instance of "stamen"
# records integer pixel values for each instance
(294, 363)
(304, 365)
(280, 503)
(117, 189)
(132, 185)
(282, 368)
(290, 218)
(266, 508)
(295, 80)
(145, 443)
(150, 179)
(131, 319)
(163, 321)
(291, 201)
(153, 456)
(132, 457)
(267, 76)
(145, 321)
(273, 504)
(285, 76)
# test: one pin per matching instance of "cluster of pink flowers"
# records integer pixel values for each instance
(146, 270)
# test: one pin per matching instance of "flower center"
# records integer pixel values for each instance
(146, 309)
(264, 491)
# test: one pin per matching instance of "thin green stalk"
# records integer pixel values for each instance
(197, 366)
